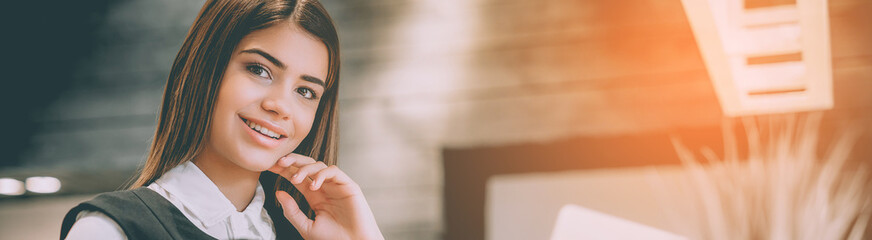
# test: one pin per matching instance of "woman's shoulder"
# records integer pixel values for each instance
(120, 208)
(95, 225)
(118, 205)
(139, 212)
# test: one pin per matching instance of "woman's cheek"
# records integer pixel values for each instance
(306, 126)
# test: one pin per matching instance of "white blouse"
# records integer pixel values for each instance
(198, 198)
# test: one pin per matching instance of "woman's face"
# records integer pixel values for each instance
(268, 96)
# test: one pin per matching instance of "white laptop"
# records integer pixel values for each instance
(576, 222)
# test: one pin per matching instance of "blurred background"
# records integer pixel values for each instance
(460, 119)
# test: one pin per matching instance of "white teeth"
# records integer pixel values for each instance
(263, 130)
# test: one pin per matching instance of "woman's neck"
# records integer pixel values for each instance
(236, 183)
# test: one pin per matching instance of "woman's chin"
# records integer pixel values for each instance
(258, 164)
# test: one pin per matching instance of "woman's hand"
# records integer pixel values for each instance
(341, 212)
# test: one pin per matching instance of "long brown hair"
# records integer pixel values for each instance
(193, 83)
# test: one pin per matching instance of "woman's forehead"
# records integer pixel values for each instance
(295, 48)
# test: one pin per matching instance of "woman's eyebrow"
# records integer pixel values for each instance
(268, 57)
(314, 80)
(281, 65)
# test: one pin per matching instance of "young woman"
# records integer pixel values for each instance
(245, 146)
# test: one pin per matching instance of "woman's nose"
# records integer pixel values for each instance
(278, 103)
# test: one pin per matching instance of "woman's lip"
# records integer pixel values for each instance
(261, 139)
(268, 125)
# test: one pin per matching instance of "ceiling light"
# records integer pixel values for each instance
(11, 187)
(42, 184)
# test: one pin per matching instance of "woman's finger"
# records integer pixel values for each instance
(294, 160)
(289, 164)
(326, 174)
(305, 171)
(280, 166)
(293, 213)
(298, 160)
(329, 174)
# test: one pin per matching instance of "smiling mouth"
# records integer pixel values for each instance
(262, 130)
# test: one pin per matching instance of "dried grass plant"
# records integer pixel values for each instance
(782, 190)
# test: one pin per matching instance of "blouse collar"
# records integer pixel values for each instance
(202, 197)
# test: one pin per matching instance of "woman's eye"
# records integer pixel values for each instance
(306, 93)
(258, 70)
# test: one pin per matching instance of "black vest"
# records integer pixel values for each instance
(144, 214)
